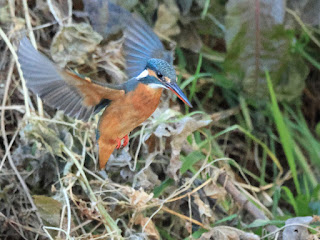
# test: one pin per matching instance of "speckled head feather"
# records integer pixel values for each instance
(162, 67)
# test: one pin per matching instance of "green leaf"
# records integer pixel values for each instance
(164, 234)
(303, 205)
(285, 137)
(228, 218)
(159, 189)
(257, 41)
(318, 129)
(49, 209)
(291, 199)
(263, 222)
(197, 234)
(315, 207)
(190, 160)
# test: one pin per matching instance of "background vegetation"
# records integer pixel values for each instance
(236, 166)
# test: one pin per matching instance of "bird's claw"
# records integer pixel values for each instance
(125, 142)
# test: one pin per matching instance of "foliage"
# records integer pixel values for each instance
(243, 163)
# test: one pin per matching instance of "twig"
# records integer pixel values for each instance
(28, 22)
(109, 223)
(183, 217)
(19, 108)
(9, 147)
(53, 12)
(69, 11)
(192, 192)
(69, 211)
(133, 168)
(5, 142)
(300, 22)
(23, 81)
(22, 226)
(34, 43)
(243, 201)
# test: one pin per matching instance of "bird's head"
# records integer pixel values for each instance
(160, 74)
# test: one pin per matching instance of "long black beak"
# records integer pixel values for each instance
(177, 91)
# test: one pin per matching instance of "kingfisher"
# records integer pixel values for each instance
(125, 106)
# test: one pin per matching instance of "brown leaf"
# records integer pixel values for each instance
(138, 198)
(166, 23)
(73, 43)
(213, 191)
(204, 209)
(228, 233)
(190, 39)
(296, 232)
(49, 209)
(150, 228)
(184, 128)
(110, 58)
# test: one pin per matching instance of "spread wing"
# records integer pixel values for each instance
(140, 43)
(61, 89)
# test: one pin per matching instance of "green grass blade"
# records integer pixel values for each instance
(291, 199)
(285, 137)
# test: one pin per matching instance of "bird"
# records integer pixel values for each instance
(125, 106)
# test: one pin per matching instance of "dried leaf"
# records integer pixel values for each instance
(39, 131)
(184, 5)
(163, 130)
(147, 179)
(228, 233)
(214, 191)
(296, 232)
(204, 209)
(49, 209)
(5, 18)
(168, 15)
(4, 14)
(308, 10)
(150, 228)
(110, 58)
(59, 9)
(257, 41)
(138, 198)
(190, 39)
(184, 128)
(74, 43)
(119, 158)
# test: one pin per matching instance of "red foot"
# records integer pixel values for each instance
(125, 142)
(118, 143)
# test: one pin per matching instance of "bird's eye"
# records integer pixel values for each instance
(159, 75)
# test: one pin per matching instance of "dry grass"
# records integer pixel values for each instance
(50, 187)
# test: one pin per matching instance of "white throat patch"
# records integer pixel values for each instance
(143, 74)
(154, 85)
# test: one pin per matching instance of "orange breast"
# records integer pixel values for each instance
(123, 115)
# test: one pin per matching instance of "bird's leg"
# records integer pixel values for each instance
(118, 143)
(125, 141)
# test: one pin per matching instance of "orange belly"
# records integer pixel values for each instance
(123, 115)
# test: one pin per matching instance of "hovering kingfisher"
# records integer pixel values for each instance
(125, 105)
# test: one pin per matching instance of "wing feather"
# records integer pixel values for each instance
(61, 89)
(108, 18)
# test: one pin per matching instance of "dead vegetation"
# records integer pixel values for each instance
(185, 175)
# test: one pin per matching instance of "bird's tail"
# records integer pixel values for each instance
(105, 150)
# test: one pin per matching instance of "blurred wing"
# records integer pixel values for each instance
(106, 18)
(140, 43)
(60, 89)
